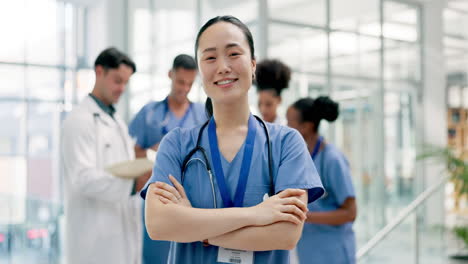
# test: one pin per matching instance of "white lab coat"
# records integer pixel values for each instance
(103, 220)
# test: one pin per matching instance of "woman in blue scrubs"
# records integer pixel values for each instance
(328, 236)
(271, 78)
(240, 213)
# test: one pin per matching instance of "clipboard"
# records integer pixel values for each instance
(131, 169)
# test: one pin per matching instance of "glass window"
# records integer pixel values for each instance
(69, 27)
(142, 39)
(11, 81)
(141, 88)
(454, 59)
(44, 83)
(173, 28)
(355, 134)
(456, 51)
(455, 43)
(362, 17)
(402, 61)
(140, 82)
(400, 22)
(355, 55)
(402, 54)
(42, 46)
(300, 11)
(84, 83)
(303, 49)
(68, 89)
(246, 11)
(12, 135)
(465, 96)
(43, 149)
(303, 85)
(43, 125)
(454, 96)
(13, 28)
(455, 22)
(12, 189)
(458, 4)
(400, 150)
(174, 31)
(13, 176)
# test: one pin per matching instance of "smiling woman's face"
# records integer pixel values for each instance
(225, 63)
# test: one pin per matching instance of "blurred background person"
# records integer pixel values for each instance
(102, 212)
(155, 120)
(271, 78)
(328, 235)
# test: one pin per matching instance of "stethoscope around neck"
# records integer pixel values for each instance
(206, 162)
(165, 121)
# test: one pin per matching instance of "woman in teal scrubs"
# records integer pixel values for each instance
(251, 207)
(328, 235)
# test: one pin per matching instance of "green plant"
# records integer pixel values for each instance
(456, 166)
(462, 233)
(457, 170)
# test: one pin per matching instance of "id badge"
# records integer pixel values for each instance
(235, 256)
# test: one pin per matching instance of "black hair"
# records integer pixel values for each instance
(272, 75)
(314, 111)
(228, 19)
(208, 107)
(111, 58)
(184, 61)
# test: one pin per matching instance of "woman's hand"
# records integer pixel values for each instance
(283, 207)
(170, 195)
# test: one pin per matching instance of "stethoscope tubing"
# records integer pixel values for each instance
(188, 159)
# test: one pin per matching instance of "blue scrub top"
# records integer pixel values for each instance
(327, 243)
(292, 168)
(147, 127)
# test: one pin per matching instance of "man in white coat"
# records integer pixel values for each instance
(102, 212)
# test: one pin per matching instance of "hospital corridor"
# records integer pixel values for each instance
(244, 132)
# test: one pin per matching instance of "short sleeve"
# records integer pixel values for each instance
(137, 128)
(200, 115)
(338, 179)
(168, 160)
(296, 168)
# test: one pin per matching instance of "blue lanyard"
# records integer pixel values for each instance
(166, 112)
(317, 148)
(245, 167)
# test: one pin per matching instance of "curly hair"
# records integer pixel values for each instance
(272, 74)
